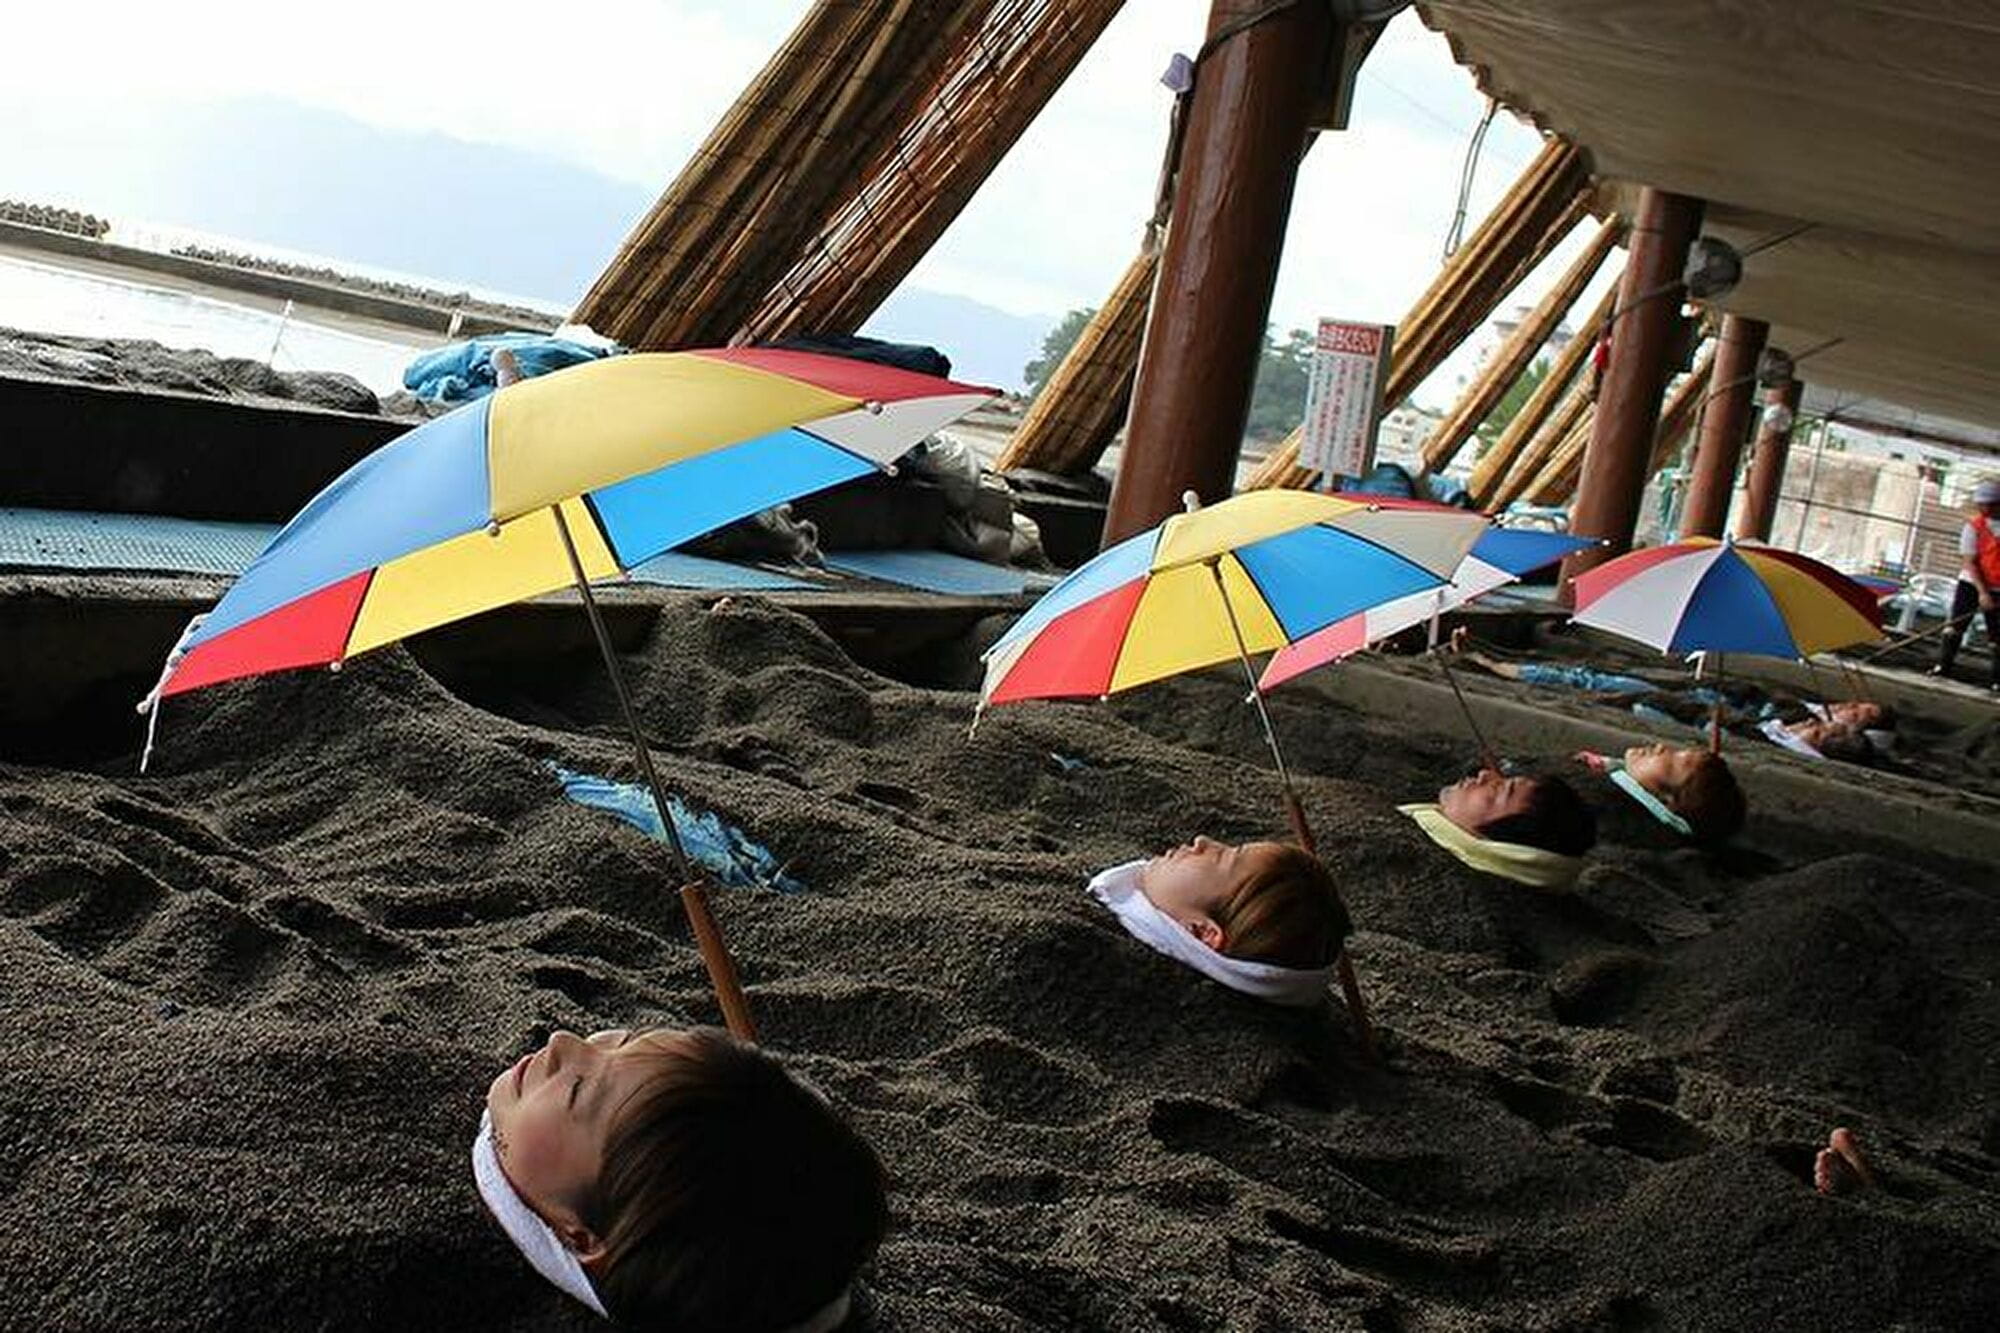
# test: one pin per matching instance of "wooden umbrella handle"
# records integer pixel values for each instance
(721, 967)
(1350, 985)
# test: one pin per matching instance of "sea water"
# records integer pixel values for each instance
(39, 295)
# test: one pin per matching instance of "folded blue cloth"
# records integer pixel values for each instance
(1583, 678)
(462, 371)
(726, 851)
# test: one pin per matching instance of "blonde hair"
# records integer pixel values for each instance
(1289, 913)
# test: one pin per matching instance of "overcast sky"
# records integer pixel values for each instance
(628, 87)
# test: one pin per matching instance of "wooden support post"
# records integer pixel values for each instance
(1643, 333)
(1514, 355)
(1767, 466)
(1253, 103)
(1493, 466)
(1725, 424)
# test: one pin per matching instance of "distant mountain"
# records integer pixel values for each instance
(427, 205)
(986, 345)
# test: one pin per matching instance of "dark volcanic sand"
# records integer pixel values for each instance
(251, 1004)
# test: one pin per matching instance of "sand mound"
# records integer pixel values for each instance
(254, 999)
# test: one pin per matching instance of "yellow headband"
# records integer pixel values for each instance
(1509, 860)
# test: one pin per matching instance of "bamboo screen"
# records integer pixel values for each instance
(838, 167)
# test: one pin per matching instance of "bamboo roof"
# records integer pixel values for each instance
(1874, 128)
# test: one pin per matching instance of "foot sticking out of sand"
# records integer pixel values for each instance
(1840, 1167)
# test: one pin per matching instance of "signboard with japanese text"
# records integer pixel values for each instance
(1344, 398)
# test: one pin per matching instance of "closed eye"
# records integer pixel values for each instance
(575, 1084)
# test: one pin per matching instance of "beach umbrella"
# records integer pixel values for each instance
(553, 482)
(1709, 596)
(1718, 597)
(1499, 557)
(1247, 575)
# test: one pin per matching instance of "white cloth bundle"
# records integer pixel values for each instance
(1118, 889)
(1781, 734)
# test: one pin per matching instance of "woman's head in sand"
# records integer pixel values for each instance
(1836, 739)
(1693, 782)
(1542, 812)
(1865, 714)
(700, 1185)
(1269, 902)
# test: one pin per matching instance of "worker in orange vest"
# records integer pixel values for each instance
(1978, 581)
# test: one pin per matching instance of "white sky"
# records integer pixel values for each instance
(629, 87)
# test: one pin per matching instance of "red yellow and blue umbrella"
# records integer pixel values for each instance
(1710, 596)
(1248, 575)
(633, 455)
(552, 482)
(1499, 557)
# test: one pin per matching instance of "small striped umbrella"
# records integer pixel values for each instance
(1716, 597)
(1710, 596)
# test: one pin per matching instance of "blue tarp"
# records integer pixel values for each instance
(460, 372)
(726, 851)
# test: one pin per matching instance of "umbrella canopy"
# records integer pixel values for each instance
(1708, 596)
(1500, 556)
(639, 453)
(1289, 563)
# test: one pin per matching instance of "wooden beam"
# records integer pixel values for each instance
(1494, 465)
(1514, 355)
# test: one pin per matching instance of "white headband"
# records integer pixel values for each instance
(1118, 889)
(547, 1255)
(534, 1238)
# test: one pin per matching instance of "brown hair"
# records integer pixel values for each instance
(1553, 818)
(1288, 913)
(732, 1196)
(1710, 801)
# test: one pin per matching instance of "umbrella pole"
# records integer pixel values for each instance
(1350, 985)
(1486, 755)
(1715, 716)
(694, 899)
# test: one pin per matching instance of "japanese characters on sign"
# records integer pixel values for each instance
(1344, 398)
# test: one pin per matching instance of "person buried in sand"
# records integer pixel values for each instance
(680, 1180)
(1533, 830)
(1263, 918)
(1688, 788)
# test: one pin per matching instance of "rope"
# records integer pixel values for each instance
(1455, 234)
(150, 705)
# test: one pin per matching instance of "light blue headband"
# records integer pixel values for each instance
(1650, 803)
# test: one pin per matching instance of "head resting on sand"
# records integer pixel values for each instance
(698, 1184)
(1863, 713)
(1269, 902)
(1836, 739)
(1542, 812)
(1693, 782)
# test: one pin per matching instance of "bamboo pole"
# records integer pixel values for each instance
(1559, 475)
(1513, 356)
(1081, 407)
(1682, 408)
(1542, 446)
(998, 80)
(850, 70)
(1494, 465)
(1537, 211)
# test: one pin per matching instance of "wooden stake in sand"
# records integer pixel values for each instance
(707, 935)
(1350, 985)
